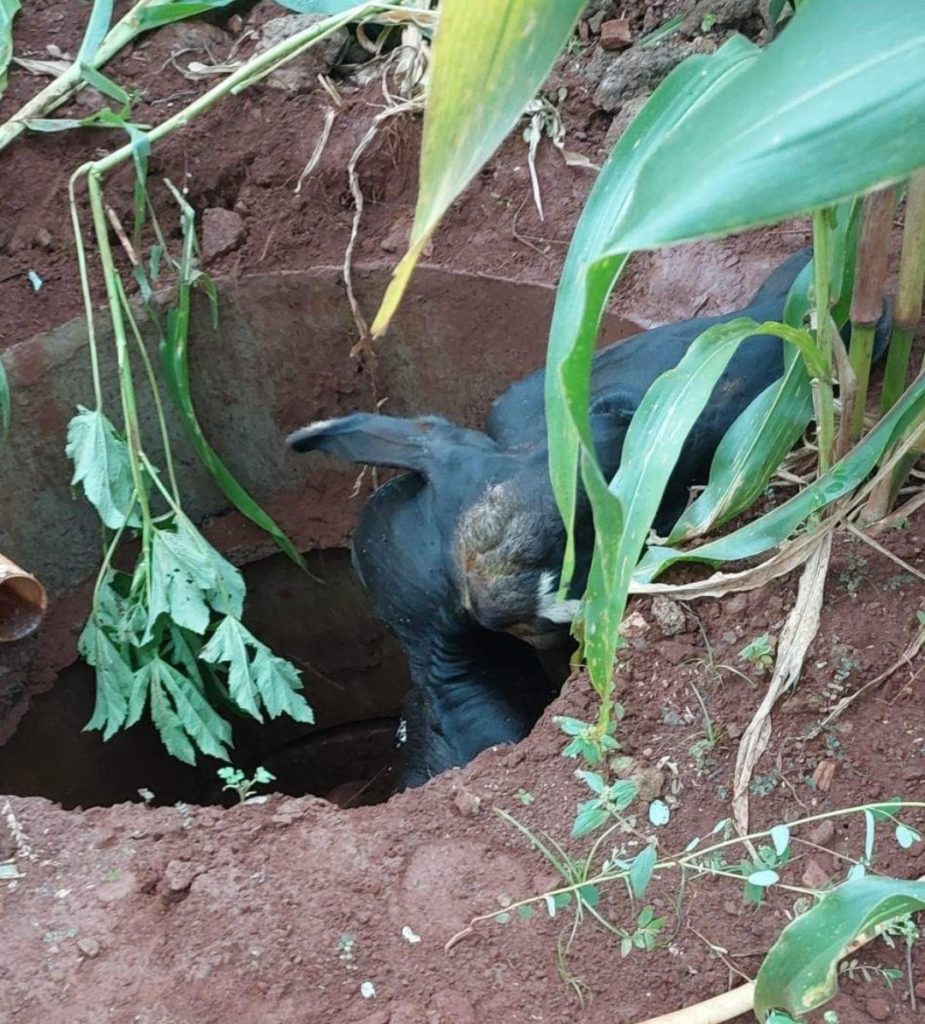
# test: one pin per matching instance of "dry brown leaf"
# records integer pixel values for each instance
(798, 633)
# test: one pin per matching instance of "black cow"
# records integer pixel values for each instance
(461, 556)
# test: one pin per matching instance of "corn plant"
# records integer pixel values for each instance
(741, 138)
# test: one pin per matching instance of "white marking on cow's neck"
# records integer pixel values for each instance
(548, 604)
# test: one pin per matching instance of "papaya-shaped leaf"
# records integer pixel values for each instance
(228, 646)
(834, 129)
(262, 684)
(800, 972)
(474, 100)
(188, 576)
(199, 720)
(168, 724)
(776, 526)
(278, 684)
(8, 9)
(102, 464)
(114, 679)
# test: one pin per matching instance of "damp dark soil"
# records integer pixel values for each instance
(294, 910)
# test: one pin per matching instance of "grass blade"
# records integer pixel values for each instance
(175, 362)
(474, 100)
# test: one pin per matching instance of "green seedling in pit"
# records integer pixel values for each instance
(235, 780)
(760, 652)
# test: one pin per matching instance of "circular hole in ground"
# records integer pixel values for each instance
(355, 678)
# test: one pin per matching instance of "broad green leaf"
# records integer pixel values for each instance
(623, 793)
(153, 15)
(780, 837)
(278, 683)
(474, 98)
(199, 720)
(114, 679)
(812, 132)
(101, 464)
(776, 526)
(640, 873)
(169, 726)
(800, 972)
(593, 780)
(228, 645)
(590, 816)
(6, 405)
(763, 879)
(8, 9)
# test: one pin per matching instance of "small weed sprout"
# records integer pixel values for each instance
(760, 652)
(235, 780)
(524, 798)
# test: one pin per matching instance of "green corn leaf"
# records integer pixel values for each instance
(758, 441)
(8, 9)
(95, 32)
(474, 100)
(153, 15)
(106, 86)
(101, 464)
(653, 442)
(812, 132)
(6, 404)
(114, 679)
(776, 526)
(587, 279)
(800, 972)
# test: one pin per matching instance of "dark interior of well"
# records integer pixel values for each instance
(355, 678)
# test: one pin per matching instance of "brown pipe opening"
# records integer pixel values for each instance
(23, 602)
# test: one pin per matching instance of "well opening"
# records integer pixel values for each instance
(355, 678)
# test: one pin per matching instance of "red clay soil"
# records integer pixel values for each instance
(294, 911)
(183, 914)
